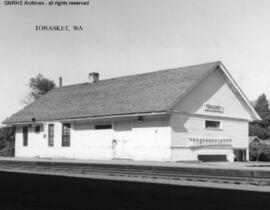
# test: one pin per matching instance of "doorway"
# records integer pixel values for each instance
(121, 149)
(240, 155)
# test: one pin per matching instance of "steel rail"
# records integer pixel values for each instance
(163, 173)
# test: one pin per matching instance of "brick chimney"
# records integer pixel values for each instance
(93, 77)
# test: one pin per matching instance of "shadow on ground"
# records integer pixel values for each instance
(24, 191)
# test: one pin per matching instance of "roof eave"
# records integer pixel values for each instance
(255, 116)
(193, 86)
(91, 118)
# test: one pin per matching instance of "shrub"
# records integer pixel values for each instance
(259, 151)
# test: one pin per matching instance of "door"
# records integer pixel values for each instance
(240, 155)
(122, 149)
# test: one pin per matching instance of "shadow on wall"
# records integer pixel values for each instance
(151, 122)
(33, 129)
(179, 127)
(123, 125)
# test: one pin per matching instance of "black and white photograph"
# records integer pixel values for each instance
(135, 104)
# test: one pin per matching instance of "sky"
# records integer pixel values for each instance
(124, 37)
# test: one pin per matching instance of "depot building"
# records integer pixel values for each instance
(190, 113)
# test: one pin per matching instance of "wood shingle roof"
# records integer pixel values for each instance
(143, 93)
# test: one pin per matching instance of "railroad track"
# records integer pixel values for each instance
(224, 176)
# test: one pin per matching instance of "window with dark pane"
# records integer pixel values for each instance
(51, 135)
(25, 136)
(66, 135)
(103, 126)
(37, 129)
(212, 124)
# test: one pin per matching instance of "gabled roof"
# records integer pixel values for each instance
(143, 93)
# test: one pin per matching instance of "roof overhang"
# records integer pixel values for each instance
(240, 93)
(94, 118)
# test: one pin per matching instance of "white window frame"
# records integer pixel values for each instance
(213, 128)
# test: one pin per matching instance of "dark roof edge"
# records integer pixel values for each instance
(92, 118)
(217, 63)
(255, 116)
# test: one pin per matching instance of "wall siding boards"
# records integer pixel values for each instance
(147, 140)
(190, 116)
(213, 90)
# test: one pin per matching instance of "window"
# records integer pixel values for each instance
(104, 126)
(212, 124)
(66, 135)
(25, 136)
(51, 135)
(37, 129)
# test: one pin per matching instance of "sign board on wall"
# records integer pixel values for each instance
(213, 108)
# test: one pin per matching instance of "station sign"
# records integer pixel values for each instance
(213, 108)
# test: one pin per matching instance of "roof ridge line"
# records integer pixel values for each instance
(156, 71)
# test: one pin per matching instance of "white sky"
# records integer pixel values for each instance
(123, 37)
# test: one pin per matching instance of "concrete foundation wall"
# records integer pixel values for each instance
(188, 154)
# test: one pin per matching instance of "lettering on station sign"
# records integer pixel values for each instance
(213, 108)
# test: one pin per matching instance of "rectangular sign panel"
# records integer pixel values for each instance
(213, 108)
